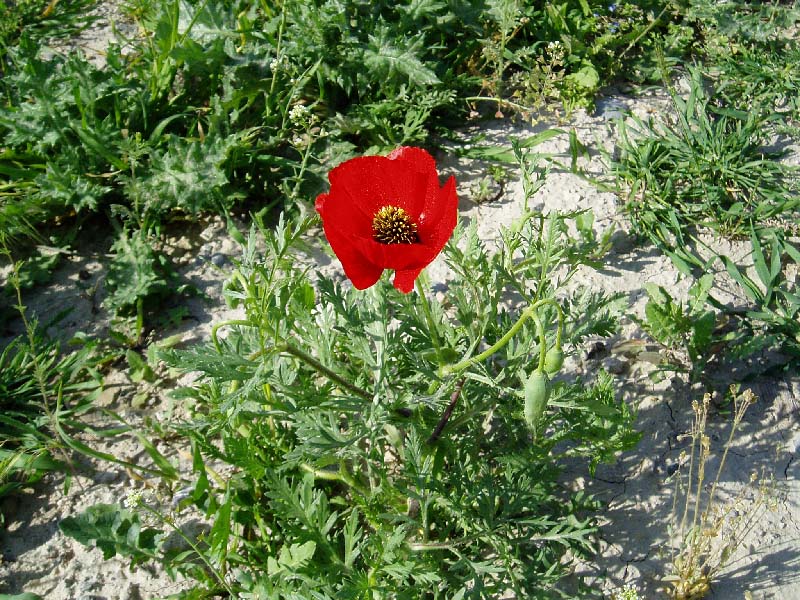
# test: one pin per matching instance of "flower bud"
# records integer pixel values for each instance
(537, 390)
(553, 360)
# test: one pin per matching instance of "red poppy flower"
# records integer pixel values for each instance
(388, 212)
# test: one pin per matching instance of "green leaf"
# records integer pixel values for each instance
(291, 558)
(139, 369)
(698, 292)
(167, 468)
(586, 78)
(703, 330)
(219, 536)
(352, 535)
(659, 322)
(658, 294)
(750, 288)
(114, 530)
(760, 264)
(386, 59)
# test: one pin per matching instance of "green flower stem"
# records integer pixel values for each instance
(218, 326)
(500, 101)
(429, 546)
(200, 554)
(139, 319)
(560, 329)
(528, 313)
(426, 309)
(542, 339)
(342, 476)
(296, 352)
(319, 367)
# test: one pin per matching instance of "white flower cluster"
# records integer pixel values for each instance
(299, 114)
(279, 62)
(555, 50)
(626, 592)
(134, 498)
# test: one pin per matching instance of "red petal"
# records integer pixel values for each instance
(319, 205)
(398, 257)
(358, 268)
(415, 158)
(423, 163)
(369, 183)
(404, 280)
(439, 217)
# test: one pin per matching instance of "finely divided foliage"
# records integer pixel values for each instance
(347, 478)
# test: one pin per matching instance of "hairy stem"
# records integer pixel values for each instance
(322, 369)
(426, 309)
(437, 432)
(528, 313)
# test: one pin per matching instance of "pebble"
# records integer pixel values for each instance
(614, 365)
(647, 466)
(131, 592)
(106, 477)
(107, 396)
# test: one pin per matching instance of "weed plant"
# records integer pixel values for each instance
(686, 329)
(46, 391)
(709, 171)
(709, 168)
(715, 168)
(39, 388)
(43, 393)
(708, 529)
(370, 443)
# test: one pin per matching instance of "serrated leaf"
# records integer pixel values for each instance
(703, 330)
(139, 369)
(114, 530)
(657, 294)
(385, 58)
(291, 558)
(659, 322)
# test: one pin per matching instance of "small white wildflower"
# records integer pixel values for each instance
(278, 62)
(626, 592)
(555, 50)
(298, 113)
(133, 499)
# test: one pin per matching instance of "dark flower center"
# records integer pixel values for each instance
(393, 225)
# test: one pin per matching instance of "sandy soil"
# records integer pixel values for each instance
(37, 558)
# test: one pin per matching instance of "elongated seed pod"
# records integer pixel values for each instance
(553, 360)
(537, 390)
